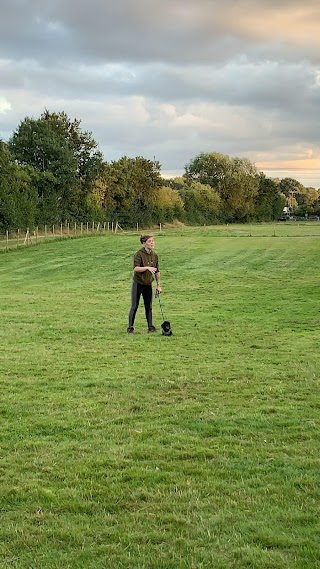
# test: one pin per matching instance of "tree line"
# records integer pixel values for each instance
(51, 172)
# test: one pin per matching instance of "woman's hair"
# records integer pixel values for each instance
(145, 238)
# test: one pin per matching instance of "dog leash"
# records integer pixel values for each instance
(166, 327)
(157, 295)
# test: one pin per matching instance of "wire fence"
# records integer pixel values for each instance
(26, 237)
(22, 238)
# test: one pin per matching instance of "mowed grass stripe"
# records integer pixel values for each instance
(199, 450)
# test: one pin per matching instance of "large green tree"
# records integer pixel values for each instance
(235, 179)
(201, 202)
(290, 187)
(168, 205)
(307, 200)
(128, 189)
(18, 198)
(269, 201)
(66, 159)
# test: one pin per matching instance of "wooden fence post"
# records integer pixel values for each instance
(27, 239)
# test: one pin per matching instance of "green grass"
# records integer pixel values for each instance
(195, 451)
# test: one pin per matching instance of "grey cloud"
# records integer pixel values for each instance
(169, 78)
(146, 30)
(292, 88)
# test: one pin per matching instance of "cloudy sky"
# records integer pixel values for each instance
(171, 78)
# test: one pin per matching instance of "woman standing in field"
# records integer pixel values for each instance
(145, 269)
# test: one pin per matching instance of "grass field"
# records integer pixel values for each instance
(195, 451)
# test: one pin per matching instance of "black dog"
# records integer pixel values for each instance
(166, 328)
